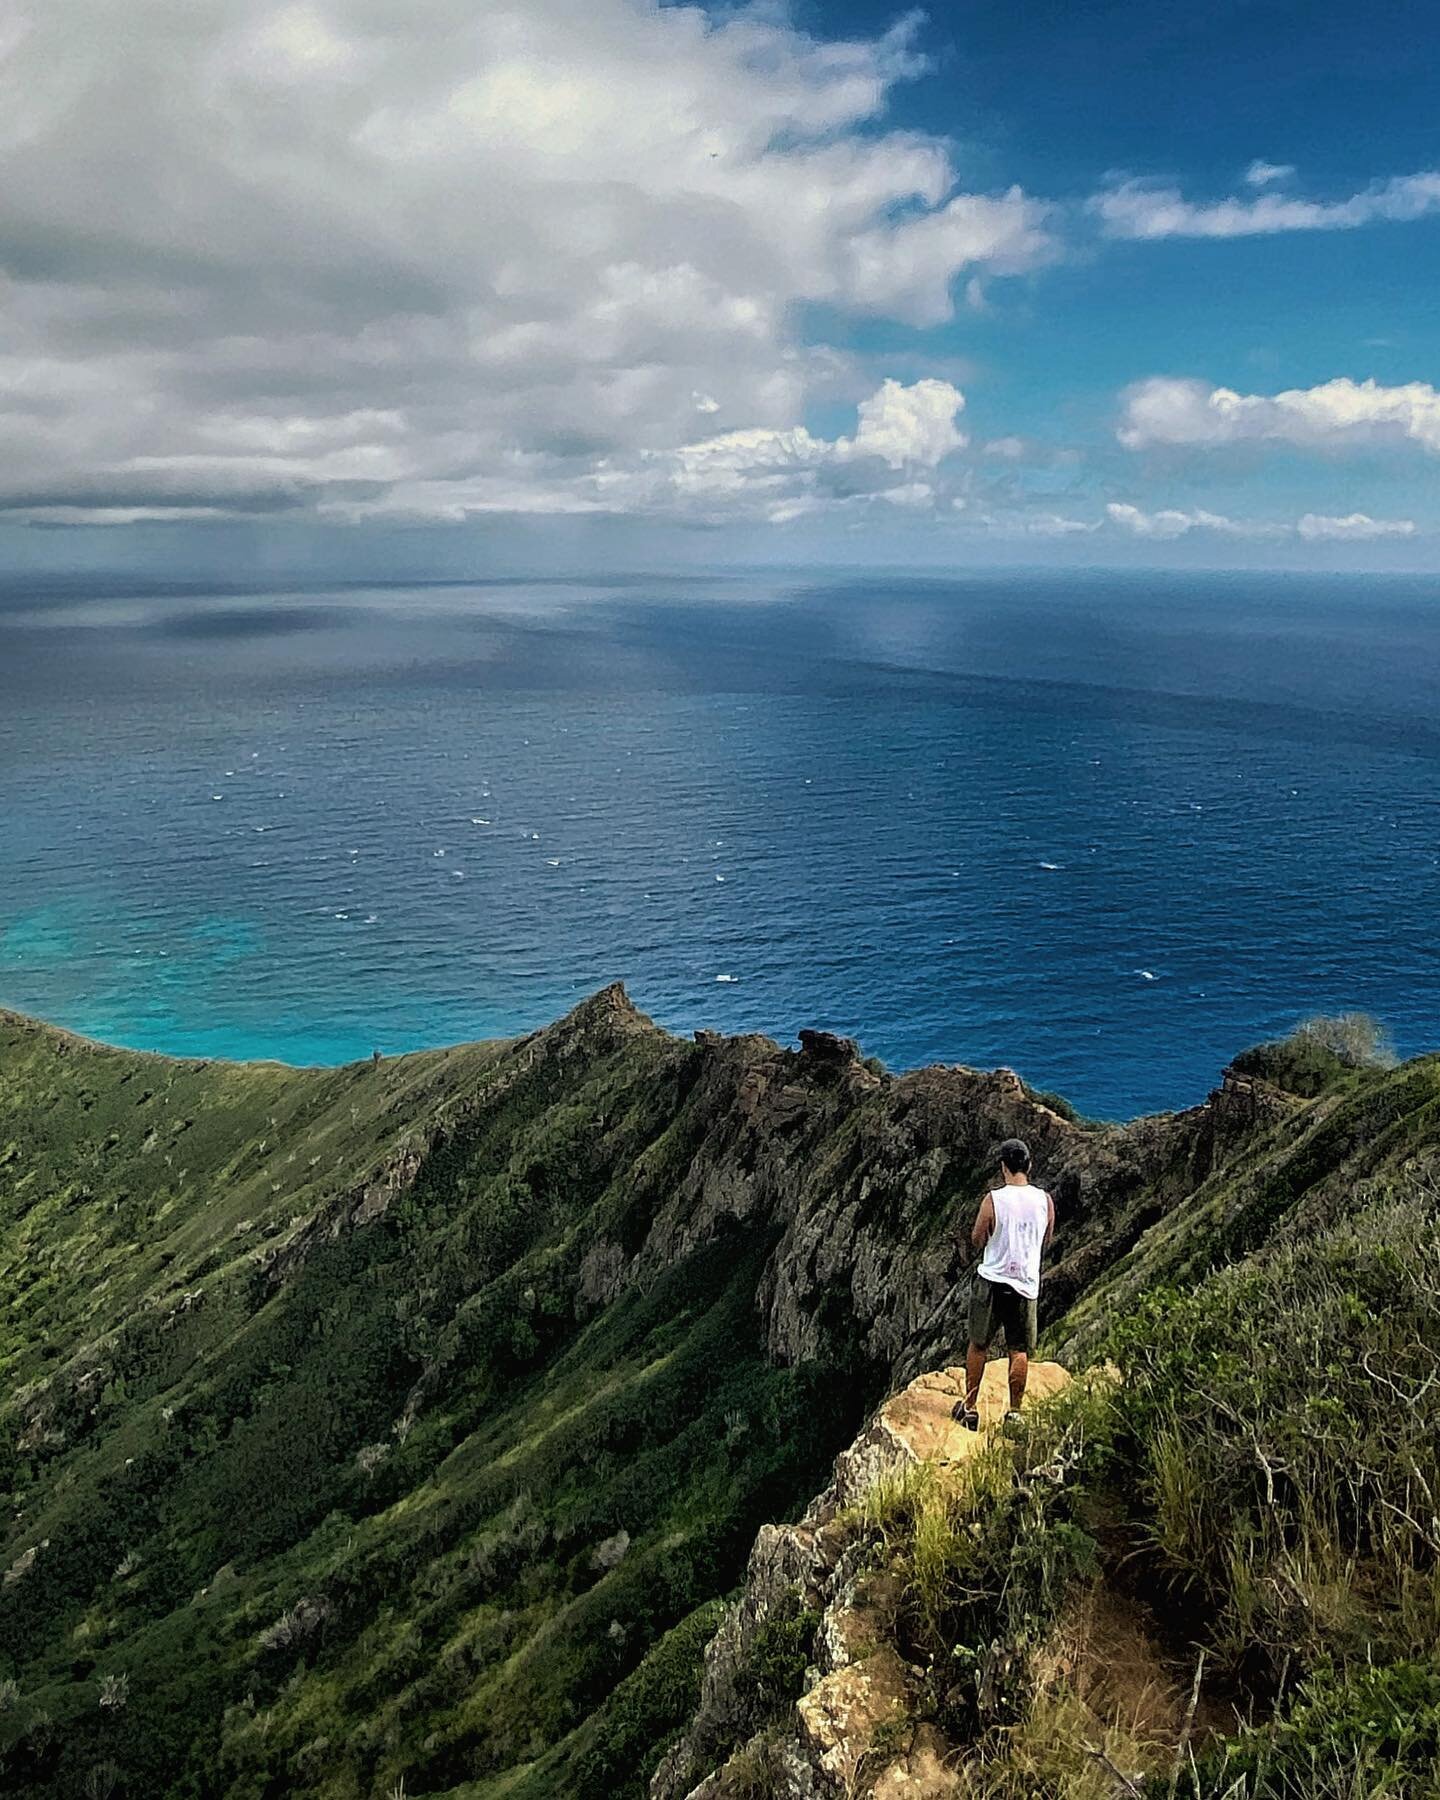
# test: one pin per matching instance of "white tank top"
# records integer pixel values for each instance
(1012, 1251)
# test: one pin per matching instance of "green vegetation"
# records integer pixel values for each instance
(986, 1556)
(1320, 1053)
(319, 1471)
(1372, 1732)
(1257, 1494)
(401, 1427)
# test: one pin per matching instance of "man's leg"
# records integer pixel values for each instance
(974, 1371)
(982, 1329)
(1020, 1333)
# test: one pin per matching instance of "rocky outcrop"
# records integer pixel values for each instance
(851, 1730)
(870, 1181)
(867, 1182)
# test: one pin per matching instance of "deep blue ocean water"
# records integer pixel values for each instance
(1106, 829)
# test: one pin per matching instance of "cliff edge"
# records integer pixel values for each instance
(859, 1692)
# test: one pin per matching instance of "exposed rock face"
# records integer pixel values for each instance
(866, 1182)
(861, 1184)
(858, 1691)
(871, 1181)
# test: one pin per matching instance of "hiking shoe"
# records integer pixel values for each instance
(962, 1415)
(1014, 1422)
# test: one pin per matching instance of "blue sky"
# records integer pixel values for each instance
(287, 287)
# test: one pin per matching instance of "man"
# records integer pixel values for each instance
(1012, 1228)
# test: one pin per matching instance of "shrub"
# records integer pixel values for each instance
(1353, 1038)
(774, 1675)
(1285, 1437)
(1319, 1053)
(1370, 1732)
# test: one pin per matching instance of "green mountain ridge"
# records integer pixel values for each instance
(400, 1427)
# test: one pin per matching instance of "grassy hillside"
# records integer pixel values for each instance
(1217, 1577)
(404, 1424)
(318, 1476)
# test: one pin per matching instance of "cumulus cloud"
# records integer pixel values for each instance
(782, 473)
(903, 425)
(1144, 209)
(1354, 525)
(320, 255)
(1165, 410)
(1174, 522)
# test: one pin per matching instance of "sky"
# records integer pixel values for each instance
(449, 287)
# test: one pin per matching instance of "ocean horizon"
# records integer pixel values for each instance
(1108, 829)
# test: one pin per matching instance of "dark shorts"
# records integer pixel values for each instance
(995, 1307)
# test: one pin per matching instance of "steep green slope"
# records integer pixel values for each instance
(300, 1384)
(404, 1423)
(1368, 1135)
(1217, 1576)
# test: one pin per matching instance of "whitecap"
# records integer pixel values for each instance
(728, 979)
(1052, 866)
(719, 877)
(552, 862)
(438, 853)
(1147, 974)
(217, 796)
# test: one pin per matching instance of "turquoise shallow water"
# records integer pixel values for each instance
(1107, 830)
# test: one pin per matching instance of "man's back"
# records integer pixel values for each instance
(1012, 1251)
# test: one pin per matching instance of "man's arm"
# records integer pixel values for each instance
(984, 1223)
(1049, 1223)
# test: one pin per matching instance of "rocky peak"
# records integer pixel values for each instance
(602, 1021)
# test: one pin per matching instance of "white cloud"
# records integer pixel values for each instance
(1317, 526)
(905, 269)
(904, 425)
(311, 254)
(1266, 174)
(781, 473)
(1057, 525)
(1172, 522)
(1165, 410)
(1142, 209)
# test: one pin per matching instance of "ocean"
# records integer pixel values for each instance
(1106, 829)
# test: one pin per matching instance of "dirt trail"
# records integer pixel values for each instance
(921, 1414)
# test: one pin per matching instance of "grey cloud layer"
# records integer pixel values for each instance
(349, 259)
(439, 259)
